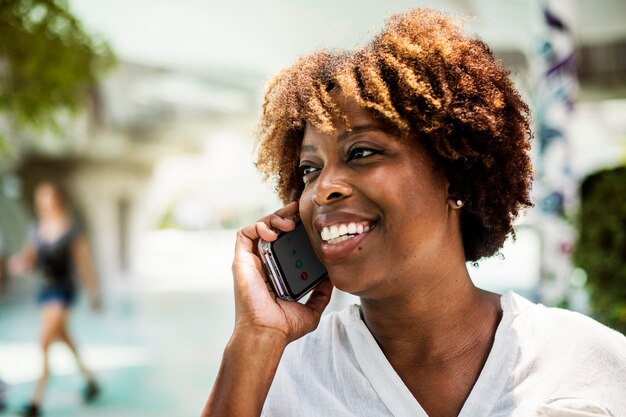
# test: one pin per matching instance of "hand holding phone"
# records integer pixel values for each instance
(258, 310)
(264, 323)
(290, 263)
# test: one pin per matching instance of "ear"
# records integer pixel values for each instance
(456, 199)
(456, 204)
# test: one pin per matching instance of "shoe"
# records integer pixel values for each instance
(91, 391)
(31, 410)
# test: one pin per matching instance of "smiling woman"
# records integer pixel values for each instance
(404, 160)
(422, 80)
(365, 175)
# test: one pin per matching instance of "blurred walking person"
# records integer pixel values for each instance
(58, 249)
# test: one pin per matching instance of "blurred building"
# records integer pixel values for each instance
(114, 158)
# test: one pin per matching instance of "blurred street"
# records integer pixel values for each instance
(153, 352)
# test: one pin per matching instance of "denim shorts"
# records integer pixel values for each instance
(64, 296)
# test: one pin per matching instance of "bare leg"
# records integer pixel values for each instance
(52, 317)
(65, 337)
(91, 390)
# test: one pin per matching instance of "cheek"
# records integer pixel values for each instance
(415, 210)
(305, 206)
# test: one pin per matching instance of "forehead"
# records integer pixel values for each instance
(353, 116)
(350, 109)
(47, 191)
(349, 115)
(44, 189)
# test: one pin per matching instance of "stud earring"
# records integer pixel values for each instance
(459, 203)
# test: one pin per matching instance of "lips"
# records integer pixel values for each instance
(342, 232)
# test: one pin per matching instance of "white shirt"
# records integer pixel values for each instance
(544, 362)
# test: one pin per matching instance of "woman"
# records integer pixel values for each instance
(56, 247)
(421, 136)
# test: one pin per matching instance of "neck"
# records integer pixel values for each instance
(435, 323)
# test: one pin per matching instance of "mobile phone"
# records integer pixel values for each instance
(290, 263)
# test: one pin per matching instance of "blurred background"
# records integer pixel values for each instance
(146, 111)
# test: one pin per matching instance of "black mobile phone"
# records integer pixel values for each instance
(290, 263)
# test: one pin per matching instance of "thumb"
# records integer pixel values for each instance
(320, 297)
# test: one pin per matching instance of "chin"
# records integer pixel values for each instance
(349, 280)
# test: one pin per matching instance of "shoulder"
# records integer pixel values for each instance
(563, 327)
(566, 355)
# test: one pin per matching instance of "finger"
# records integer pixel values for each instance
(258, 265)
(283, 224)
(248, 274)
(264, 231)
(250, 234)
(281, 219)
(289, 211)
(320, 297)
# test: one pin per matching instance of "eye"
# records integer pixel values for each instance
(360, 152)
(306, 170)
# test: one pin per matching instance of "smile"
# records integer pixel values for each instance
(340, 232)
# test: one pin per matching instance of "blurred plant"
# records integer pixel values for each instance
(601, 249)
(47, 64)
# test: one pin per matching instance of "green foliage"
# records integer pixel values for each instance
(5, 150)
(601, 250)
(47, 63)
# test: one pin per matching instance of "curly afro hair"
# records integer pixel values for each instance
(427, 81)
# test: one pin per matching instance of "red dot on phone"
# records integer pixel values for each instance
(304, 276)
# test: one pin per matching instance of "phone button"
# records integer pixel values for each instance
(304, 276)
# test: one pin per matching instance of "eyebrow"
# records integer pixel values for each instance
(344, 136)
(356, 130)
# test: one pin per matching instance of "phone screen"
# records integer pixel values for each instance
(297, 261)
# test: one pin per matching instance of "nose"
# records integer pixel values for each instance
(330, 187)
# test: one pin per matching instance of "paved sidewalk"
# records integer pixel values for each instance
(154, 354)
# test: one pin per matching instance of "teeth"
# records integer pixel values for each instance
(339, 233)
(340, 239)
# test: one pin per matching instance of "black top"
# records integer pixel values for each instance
(55, 260)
